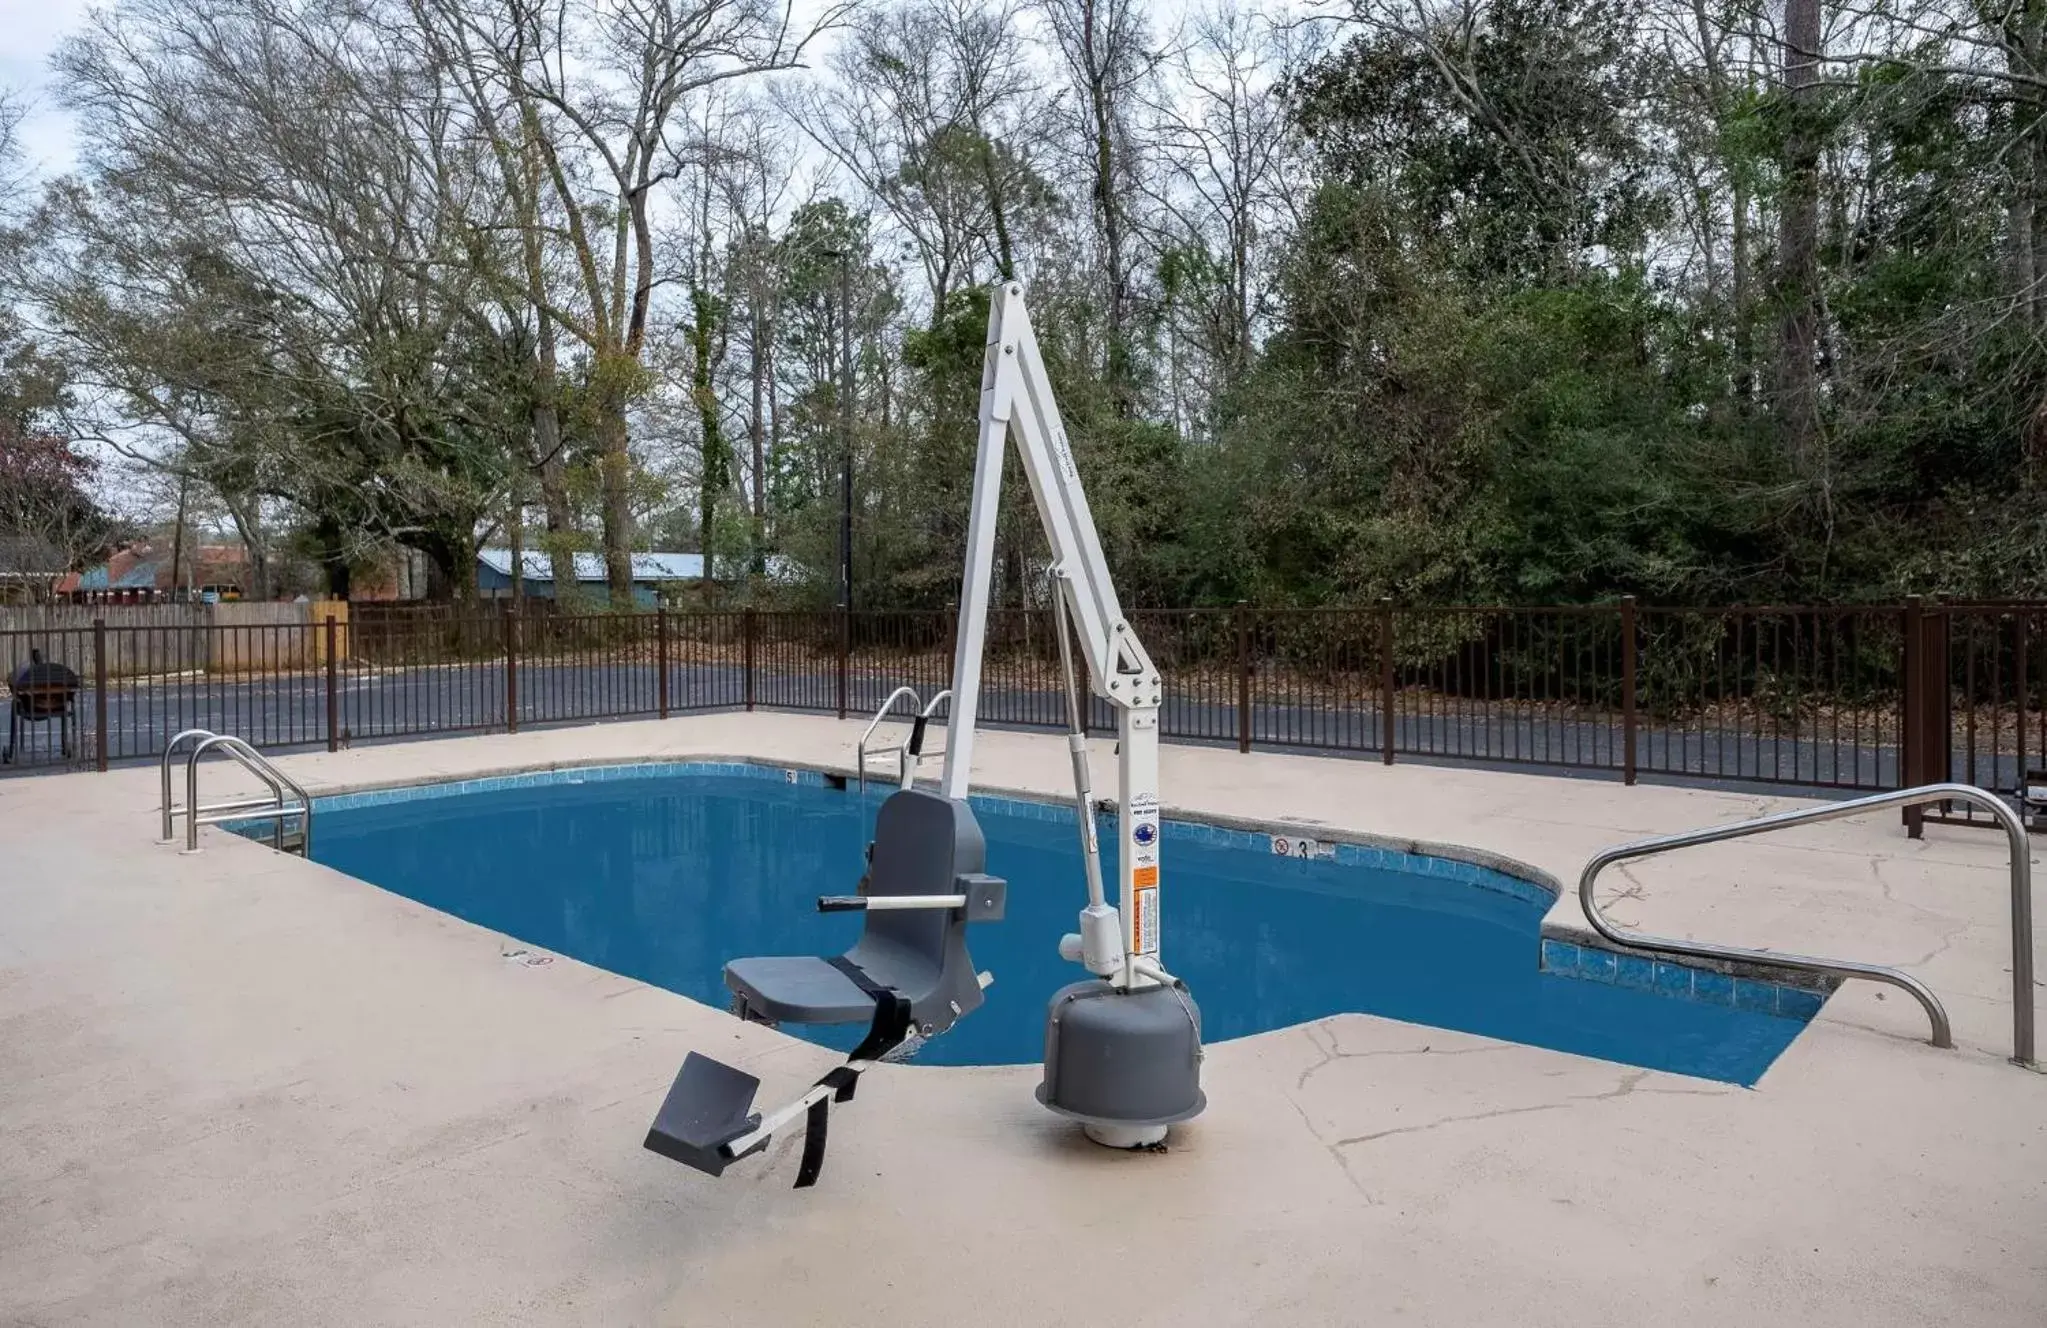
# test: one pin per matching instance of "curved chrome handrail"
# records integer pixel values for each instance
(860, 748)
(170, 809)
(1942, 1036)
(886, 706)
(910, 755)
(254, 762)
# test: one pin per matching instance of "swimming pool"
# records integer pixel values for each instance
(662, 873)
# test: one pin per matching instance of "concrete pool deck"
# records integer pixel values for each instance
(242, 1088)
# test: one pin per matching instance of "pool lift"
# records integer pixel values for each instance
(1122, 1047)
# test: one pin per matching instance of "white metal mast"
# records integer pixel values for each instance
(1016, 403)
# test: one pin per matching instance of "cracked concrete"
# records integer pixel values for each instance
(243, 1089)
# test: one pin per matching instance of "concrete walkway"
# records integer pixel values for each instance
(241, 1088)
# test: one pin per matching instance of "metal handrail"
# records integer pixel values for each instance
(170, 808)
(275, 808)
(860, 748)
(2021, 903)
(254, 762)
(196, 816)
(911, 754)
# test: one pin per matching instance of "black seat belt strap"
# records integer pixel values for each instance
(891, 1018)
(890, 1027)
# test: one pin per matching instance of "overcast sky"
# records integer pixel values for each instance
(32, 29)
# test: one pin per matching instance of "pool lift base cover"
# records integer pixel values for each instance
(1123, 1049)
(1124, 1063)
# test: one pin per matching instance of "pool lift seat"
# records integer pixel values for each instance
(909, 976)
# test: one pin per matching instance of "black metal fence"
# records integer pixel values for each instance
(1864, 697)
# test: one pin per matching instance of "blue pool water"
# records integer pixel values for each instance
(663, 877)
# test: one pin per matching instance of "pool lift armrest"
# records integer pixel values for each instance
(983, 897)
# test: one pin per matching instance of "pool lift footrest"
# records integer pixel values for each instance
(707, 1121)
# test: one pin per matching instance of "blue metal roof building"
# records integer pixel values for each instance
(650, 571)
(137, 576)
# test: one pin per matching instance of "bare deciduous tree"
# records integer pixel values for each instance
(602, 87)
(1107, 51)
(923, 115)
(275, 283)
(1226, 149)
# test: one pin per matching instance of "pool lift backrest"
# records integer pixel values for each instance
(1122, 1048)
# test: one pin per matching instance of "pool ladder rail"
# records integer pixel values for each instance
(287, 799)
(909, 753)
(1942, 1035)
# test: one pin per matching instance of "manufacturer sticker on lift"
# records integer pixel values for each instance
(1144, 917)
(1145, 836)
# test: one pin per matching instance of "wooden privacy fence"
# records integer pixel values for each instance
(1858, 697)
(230, 637)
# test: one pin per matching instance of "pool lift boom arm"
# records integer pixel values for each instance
(1017, 404)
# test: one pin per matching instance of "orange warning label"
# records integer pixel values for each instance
(1144, 918)
(1144, 878)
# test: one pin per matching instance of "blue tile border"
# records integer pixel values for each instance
(1714, 988)
(586, 774)
(1676, 980)
(1794, 1003)
(1757, 996)
(1666, 977)
(1636, 971)
(1562, 958)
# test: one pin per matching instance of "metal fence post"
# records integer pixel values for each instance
(845, 652)
(332, 634)
(1387, 717)
(1628, 663)
(1242, 614)
(1911, 683)
(661, 661)
(99, 694)
(2021, 690)
(511, 634)
(746, 635)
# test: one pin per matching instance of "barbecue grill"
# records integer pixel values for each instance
(41, 692)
